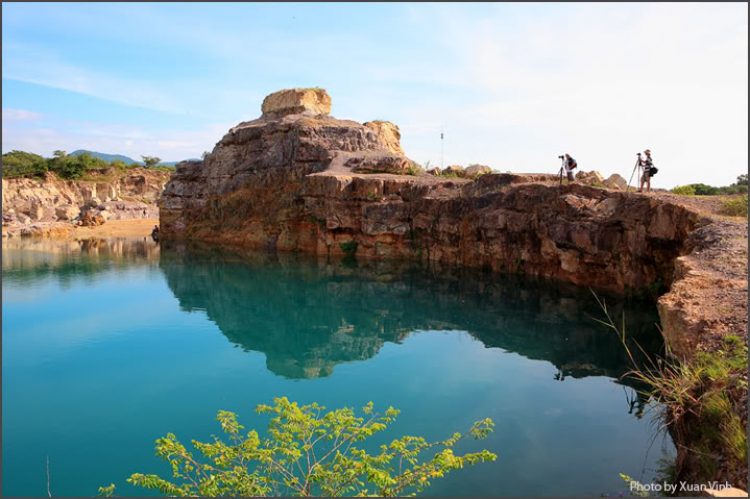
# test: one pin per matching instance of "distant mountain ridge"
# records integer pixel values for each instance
(124, 159)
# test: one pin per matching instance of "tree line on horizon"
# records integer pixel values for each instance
(67, 166)
(739, 187)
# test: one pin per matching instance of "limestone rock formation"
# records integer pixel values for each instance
(52, 199)
(591, 178)
(307, 101)
(476, 170)
(389, 133)
(454, 170)
(615, 181)
(67, 212)
(316, 183)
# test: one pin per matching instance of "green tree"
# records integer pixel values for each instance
(684, 190)
(59, 154)
(742, 179)
(151, 161)
(308, 452)
(22, 163)
(705, 190)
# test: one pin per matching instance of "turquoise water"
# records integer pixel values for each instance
(109, 345)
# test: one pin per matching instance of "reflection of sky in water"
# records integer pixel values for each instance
(123, 346)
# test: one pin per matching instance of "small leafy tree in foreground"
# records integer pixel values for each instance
(307, 453)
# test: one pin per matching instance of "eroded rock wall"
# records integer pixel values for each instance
(297, 182)
(28, 200)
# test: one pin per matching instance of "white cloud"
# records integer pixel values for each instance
(602, 83)
(169, 145)
(14, 115)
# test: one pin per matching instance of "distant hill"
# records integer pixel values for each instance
(124, 159)
(106, 157)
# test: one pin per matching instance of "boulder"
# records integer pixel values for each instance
(476, 170)
(435, 171)
(23, 219)
(36, 212)
(389, 133)
(593, 177)
(90, 219)
(615, 181)
(67, 212)
(455, 170)
(307, 101)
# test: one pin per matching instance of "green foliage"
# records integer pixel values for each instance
(684, 190)
(150, 161)
(703, 398)
(163, 168)
(414, 169)
(308, 452)
(735, 207)
(72, 167)
(17, 163)
(349, 247)
(739, 187)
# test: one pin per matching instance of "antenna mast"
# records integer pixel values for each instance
(442, 148)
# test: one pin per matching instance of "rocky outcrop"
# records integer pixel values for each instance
(474, 171)
(305, 101)
(299, 182)
(390, 134)
(133, 195)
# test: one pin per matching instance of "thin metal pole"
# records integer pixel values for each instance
(442, 149)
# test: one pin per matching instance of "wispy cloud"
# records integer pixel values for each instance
(170, 145)
(14, 115)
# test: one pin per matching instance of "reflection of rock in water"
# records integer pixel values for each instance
(308, 314)
(27, 260)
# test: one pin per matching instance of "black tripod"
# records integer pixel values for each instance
(636, 167)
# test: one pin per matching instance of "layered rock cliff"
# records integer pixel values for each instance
(297, 180)
(115, 197)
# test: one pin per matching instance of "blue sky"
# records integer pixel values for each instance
(511, 85)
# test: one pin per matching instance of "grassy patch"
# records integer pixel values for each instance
(684, 190)
(705, 405)
(735, 207)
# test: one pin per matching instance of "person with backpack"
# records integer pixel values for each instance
(649, 170)
(570, 165)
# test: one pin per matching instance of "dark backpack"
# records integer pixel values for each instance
(573, 164)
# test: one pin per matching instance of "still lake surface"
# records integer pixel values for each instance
(108, 345)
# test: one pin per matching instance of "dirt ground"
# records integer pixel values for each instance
(140, 227)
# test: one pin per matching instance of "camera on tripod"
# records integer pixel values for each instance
(561, 157)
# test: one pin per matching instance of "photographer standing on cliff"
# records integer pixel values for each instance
(649, 170)
(570, 165)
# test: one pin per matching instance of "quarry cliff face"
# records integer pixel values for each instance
(298, 179)
(115, 197)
